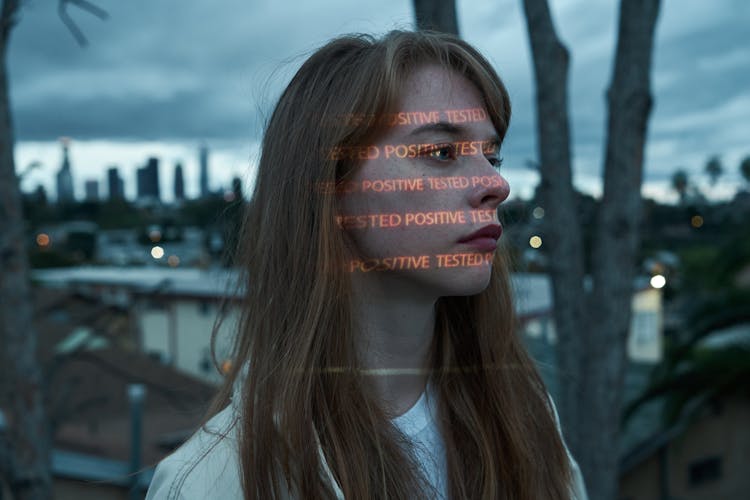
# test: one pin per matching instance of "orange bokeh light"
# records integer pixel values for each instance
(42, 239)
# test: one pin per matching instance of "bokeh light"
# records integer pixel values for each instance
(658, 281)
(42, 239)
(157, 252)
(535, 242)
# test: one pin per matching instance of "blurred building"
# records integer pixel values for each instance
(705, 459)
(65, 193)
(179, 183)
(173, 309)
(115, 184)
(203, 161)
(236, 192)
(75, 238)
(92, 190)
(39, 196)
(121, 247)
(534, 305)
(148, 181)
(91, 362)
(154, 325)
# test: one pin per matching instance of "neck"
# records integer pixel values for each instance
(395, 323)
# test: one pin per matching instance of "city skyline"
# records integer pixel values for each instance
(146, 181)
(164, 184)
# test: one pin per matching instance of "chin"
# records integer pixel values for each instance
(463, 281)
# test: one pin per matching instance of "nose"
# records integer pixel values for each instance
(487, 188)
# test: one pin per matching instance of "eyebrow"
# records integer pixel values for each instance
(446, 127)
(450, 129)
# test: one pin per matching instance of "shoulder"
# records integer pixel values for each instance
(205, 466)
(578, 488)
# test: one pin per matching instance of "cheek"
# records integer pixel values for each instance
(376, 223)
(397, 224)
(375, 214)
(374, 192)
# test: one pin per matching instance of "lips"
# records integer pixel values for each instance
(484, 240)
(493, 232)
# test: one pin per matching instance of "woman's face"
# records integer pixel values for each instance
(415, 203)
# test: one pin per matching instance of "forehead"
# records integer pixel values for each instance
(433, 87)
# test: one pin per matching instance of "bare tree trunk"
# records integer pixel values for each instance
(617, 238)
(26, 461)
(437, 15)
(561, 228)
(593, 325)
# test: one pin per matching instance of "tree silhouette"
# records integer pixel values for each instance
(592, 321)
(25, 442)
(700, 365)
(714, 169)
(745, 169)
(438, 15)
(680, 183)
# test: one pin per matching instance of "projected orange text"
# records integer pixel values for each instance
(412, 184)
(410, 262)
(440, 217)
(391, 263)
(414, 117)
(390, 185)
(415, 150)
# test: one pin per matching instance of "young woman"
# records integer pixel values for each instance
(377, 355)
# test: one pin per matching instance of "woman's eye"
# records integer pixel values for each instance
(442, 152)
(495, 161)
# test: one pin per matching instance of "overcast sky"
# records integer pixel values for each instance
(160, 77)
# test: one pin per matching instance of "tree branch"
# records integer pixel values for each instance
(437, 15)
(561, 226)
(68, 21)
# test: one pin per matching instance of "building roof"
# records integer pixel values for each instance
(532, 292)
(88, 400)
(202, 283)
(89, 360)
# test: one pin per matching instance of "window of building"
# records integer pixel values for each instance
(204, 307)
(155, 305)
(704, 471)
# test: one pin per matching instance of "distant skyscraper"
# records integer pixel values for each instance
(204, 170)
(92, 190)
(115, 184)
(237, 189)
(179, 183)
(40, 195)
(148, 180)
(64, 177)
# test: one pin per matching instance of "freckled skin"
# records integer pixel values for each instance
(429, 88)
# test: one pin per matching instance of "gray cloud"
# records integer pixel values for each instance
(164, 70)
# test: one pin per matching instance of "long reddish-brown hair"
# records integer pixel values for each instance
(296, 335)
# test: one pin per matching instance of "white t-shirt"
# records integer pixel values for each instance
(419, 424)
